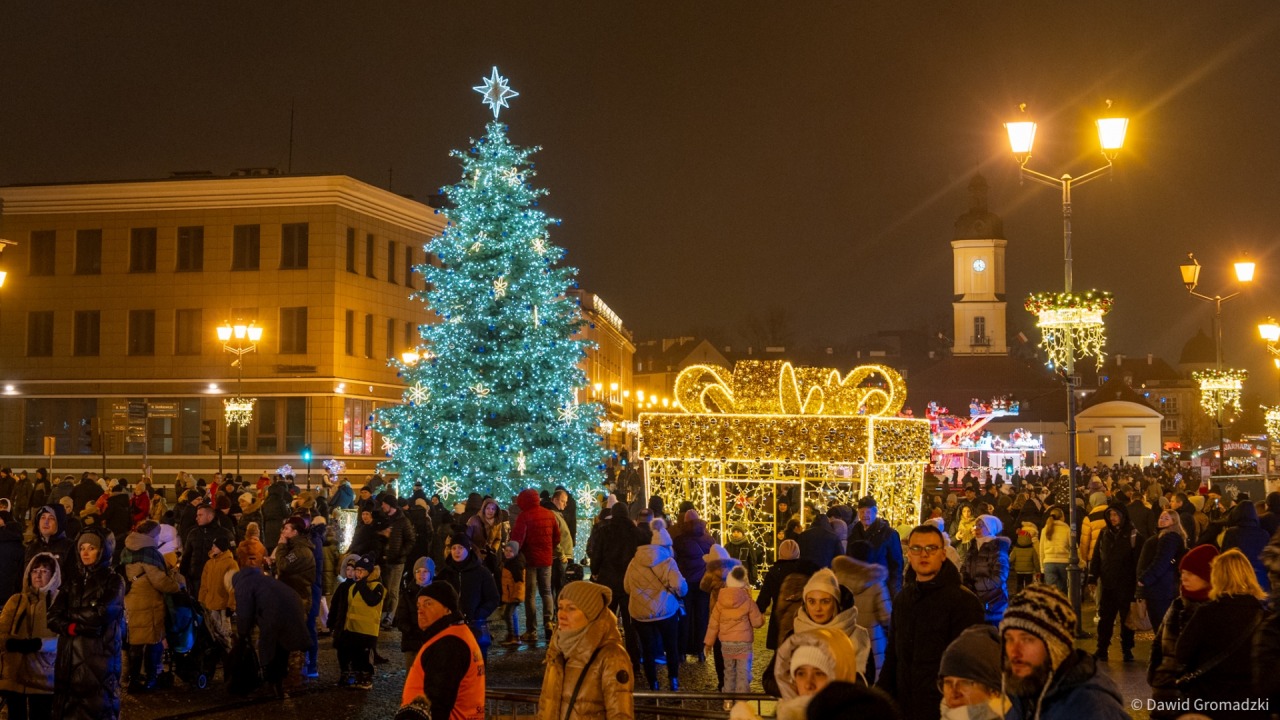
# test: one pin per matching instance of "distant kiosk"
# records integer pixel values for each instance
(960, 443)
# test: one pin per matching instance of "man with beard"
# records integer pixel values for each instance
(1043, 676)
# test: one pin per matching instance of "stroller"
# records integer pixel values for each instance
(193, 653)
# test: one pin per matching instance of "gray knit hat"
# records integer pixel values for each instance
(974, 655)
(1045, 612)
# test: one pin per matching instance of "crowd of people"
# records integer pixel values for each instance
(963, 614)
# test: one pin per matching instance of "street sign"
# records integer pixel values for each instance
(50, 445)
(162, 410)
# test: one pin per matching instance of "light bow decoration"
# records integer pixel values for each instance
(238, 410)
(335, 468)
(1220, 389)
(1063, 316)
(1272, 419)
(739, 438)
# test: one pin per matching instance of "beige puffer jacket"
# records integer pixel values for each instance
(147, 583)
(607, 689)
(26, 616)
(653, 584)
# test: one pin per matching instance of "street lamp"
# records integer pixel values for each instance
(1069, 321)
(4, 244)
(239, 339)
(1219, 387)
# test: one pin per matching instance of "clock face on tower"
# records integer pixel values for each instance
(979, 265)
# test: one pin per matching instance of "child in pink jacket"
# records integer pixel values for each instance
(734, 619)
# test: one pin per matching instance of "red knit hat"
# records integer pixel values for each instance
(1198, 560)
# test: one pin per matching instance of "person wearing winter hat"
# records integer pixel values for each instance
(355, 613)
(841, 700)
(448, 669)
(215, 591)
(985, 569)
(588, 673)
(970, 676)
(1092, 527)
(886, 543)
(654, 586)
(1043, 676)
(1163, 670)
(293, 560)
(806, 663)
(789, 569)
(734, 619)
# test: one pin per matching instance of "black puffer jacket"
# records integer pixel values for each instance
(611, 546)
(1245, 533)
(886, 549)
(88, 615)
(477, 593)
(399, 541)
(927, 616)
(1115, 562)
(986, 572)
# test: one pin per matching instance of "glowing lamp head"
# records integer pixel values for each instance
(1244, 270)
(1111, 133)
(3, 275)
(1269, 330)
(613, 387)
(1022, 136)
(1190, 272)
(598, 387)
(240, 330)
(255, 333)
(224, 332)
(409, 357)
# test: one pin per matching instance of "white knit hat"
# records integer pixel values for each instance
(813, 656)
(660, 534)
(992, 523)
(823, 581)
(737, 577)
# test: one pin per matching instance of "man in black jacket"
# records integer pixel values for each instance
(1115, 568)
(886, 544)
(477, 593)
(611, 547)
(931, 611)
(819, 544)
(400, 540)
(196, 546)
(87, 491)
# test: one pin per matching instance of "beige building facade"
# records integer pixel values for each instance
(115, 291)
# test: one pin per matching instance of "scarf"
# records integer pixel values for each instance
(573, 640)
(992, 709)
(845, 621)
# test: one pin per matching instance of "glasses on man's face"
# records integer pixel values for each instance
(948, 685)
(923, 549)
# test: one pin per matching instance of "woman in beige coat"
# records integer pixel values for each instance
(148, 579)
(30, 647)
(588, 671)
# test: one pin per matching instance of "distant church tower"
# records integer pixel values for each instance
(978, 254)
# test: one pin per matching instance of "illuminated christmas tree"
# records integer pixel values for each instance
(491, 404)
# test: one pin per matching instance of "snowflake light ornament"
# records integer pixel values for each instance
(481, 390)
(569, 413)
(500, 287)
(418, 394)
(446, 488)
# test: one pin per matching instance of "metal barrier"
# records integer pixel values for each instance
(522, 703)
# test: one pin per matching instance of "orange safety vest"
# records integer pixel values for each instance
(470, 702)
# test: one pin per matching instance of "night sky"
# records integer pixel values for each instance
(713, 160)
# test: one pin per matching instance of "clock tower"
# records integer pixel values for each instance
(978, 257)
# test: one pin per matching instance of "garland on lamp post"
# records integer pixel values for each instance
(1063, 316)
(1272, 419)
(1220, 389)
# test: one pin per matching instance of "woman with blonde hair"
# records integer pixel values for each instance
(1055, 549)
(1157, 565)
(1215, 649)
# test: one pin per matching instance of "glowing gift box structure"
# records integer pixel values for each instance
(766, 424)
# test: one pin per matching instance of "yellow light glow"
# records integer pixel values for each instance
(240, 330)
(3, 275)
(1111, 132)
(224, 332)
(1022, 136)
(410, 357)
(640, 395)
(1244, 270)
(1220, 389)
(1269, 330)
(255, 333)
(598, 387)
(613, 387)
(773, 386)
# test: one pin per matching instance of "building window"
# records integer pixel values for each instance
(142, 332)
(357, 435)
(1169, 425)
(268, 440)
(293, 330)
(392, 251)
(368, 336)
(980, 331)
(391, 337)
(1104, 446)
(1170, 405)
(88, 252)
(245, 247)
(350, 337)
(409, 340)
(188, 332)
(293, 246)
(40, 333)
(408, 266)
(87, 327)
(351, 250)
(1135, 445)
(71, 422)
(190, 249)
(190, 437)
(369, 255)
(142, 250)
(295, 424)
(43, 251)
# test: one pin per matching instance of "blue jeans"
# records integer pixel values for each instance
(1056, 574)
(537, 581)
(313, 613)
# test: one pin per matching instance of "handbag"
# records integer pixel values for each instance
(1138, 618)
(1182, 682)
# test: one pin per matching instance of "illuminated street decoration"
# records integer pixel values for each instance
(767, 427)
(1220, 389)
(1071, 320)
(238, 410)
(1272, 419)
(496, 92)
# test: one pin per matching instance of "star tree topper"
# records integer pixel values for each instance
(495, 91)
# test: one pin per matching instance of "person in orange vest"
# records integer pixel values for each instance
(449, 669)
